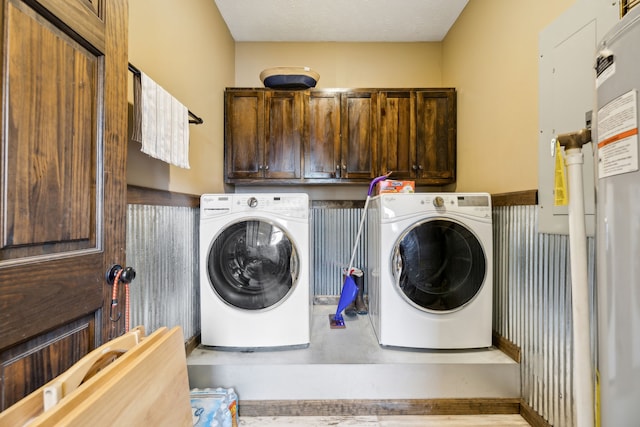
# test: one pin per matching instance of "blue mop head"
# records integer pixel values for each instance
(348, 294)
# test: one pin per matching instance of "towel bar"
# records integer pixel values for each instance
(194, 119)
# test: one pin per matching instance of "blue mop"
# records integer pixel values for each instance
(349, 287)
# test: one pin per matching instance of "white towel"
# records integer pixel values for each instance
(160, 122)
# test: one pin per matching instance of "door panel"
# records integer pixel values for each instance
(63, 183)
(396, 118)
(51, 141)
(244, 134)
(26, 365)
(284, 134)
(322, 139)
(359, 151)
(436, 134)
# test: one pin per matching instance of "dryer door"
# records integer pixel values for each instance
(252, 265)
(439, 265)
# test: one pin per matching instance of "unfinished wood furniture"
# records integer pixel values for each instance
(132, 380)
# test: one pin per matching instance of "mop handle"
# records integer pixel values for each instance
(355, 245)
(364, 214)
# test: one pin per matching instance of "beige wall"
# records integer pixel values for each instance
(345, 65)
(491, 56)
(188, 50)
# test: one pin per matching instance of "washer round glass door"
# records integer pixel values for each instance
(439, 265)
(252, 265)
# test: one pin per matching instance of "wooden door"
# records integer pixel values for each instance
(283, 140)
(62, 176)
(436, 135)
(396, 136)
(359, 127)
(322, 135)
(244, 134)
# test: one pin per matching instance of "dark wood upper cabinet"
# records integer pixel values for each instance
(339, 139)
(263, 134)
(244, 134)
(397, 133)
(340, 135)
(322, 153)
(436, 133)
(417, 135)
(283, 141)
(359, 126)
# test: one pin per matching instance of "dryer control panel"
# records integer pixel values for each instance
(401, 205)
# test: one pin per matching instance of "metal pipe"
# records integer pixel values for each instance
(574, 139)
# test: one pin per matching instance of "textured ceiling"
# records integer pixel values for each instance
(339, 20)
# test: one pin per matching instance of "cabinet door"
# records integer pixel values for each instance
(358, 123)
(397, 136)
(436, 136)
(284, 124)
(322, 135)
(244, 133)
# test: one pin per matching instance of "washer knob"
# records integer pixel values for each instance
(252, 202)
(438, 202)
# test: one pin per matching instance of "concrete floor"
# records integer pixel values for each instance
(350, 364)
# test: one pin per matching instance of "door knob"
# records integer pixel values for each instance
(127, 275)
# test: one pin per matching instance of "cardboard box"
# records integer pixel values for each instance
(393, 186)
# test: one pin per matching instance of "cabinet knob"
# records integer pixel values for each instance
(419, 167)
(266, 167)
(259, 167)
(344, 167)
(337, 167)
(414, 167)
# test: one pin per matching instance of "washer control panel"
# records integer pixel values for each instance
(291, 205)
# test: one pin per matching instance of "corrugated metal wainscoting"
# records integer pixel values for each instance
(532, 308)
(162, 246)
(532, 286)
(333, 233)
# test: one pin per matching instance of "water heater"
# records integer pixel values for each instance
(618, 222)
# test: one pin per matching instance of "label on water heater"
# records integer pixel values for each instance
(618, 136)
(605, 67)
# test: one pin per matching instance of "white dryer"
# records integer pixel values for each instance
(254, 270)
(430, 270)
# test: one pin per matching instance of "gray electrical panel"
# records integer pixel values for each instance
(566, 99)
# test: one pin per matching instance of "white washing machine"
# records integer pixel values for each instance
(254, 270)
(430, 270)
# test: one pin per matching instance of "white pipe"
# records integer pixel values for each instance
(583, 384)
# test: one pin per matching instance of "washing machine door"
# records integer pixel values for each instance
(252, 265)
(438, 265)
